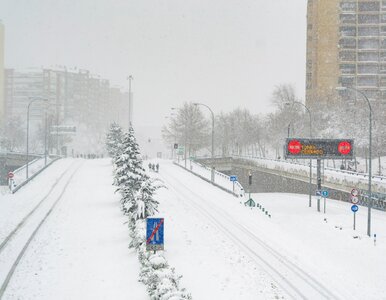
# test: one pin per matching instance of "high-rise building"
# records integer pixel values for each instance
(75, 97)
(346, 46)
(2, 99)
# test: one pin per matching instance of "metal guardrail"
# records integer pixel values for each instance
(14, 188)
(219, 174)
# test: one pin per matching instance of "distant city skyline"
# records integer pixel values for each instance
(221, 53)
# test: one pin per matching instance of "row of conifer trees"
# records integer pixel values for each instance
(137, 203)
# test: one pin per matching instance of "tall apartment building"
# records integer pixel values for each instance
(346, 46)
(2, 101)
(75, 97)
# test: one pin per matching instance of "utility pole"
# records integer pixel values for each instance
(130, 78)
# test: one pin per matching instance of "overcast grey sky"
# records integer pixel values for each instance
(224, 53)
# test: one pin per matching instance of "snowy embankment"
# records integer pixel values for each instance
(228, 251)
(34, 168)
(220, 179)
(80, 252)
(346, 179)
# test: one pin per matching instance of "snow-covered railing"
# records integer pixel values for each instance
(35, 167)
(305, 163)
(220, 179)
(334, 176)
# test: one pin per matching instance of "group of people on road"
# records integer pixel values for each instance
(154, 167)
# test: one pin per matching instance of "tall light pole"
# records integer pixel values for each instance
(186, 136)
(28, 107)
(370, 204)
(130, 78)
(309, 114)
(212, 172)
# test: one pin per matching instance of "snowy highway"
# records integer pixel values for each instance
(296, 254)
(69, 240)
(63, 237)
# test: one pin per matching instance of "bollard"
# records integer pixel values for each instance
(263, 209)
(375, 239)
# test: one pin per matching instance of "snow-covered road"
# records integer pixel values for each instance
(228, 251)
(81, 250)
(223, 249)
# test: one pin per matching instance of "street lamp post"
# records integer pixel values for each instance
(212, 171)
(186, 137)
(309, 114)
(28, 107)
(130, 78)
(370, 204)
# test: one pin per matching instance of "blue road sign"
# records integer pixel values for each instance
(154, 234)
(324, 193)
(233, 178)
(318, 193)
(354, 208)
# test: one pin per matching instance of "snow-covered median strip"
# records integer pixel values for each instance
(161, 280)
(137, 203)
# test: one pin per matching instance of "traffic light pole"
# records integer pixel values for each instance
(319, 179)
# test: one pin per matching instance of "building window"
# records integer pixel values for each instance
(348, 18)
(372, 44)
(372, 6)
(347, 68)
(370, 81)
(346, 80)
(382, 69)
(348, 6)
(368, 19)
(347, 43)
(367, 69)
(348, 31)
(347, 55)
(368, 31)
(382, 81)
(368, 56)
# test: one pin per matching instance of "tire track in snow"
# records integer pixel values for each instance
(33, 234)
(287, 274)
(22, 222)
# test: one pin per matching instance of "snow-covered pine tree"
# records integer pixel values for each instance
(129, 173)
(114, 140)
(146, 205)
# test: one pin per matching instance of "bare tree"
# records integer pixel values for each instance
(189, 128)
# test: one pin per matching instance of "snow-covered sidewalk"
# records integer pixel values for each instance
(81, 252)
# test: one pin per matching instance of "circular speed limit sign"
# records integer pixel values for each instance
(354, 200)
(354, 192)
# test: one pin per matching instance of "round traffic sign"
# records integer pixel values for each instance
(10, 175)
(354, 208)
(344, 147)
(324, 193)
(294, 147)
(354, 192)
(354, 199)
